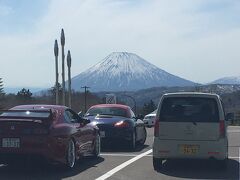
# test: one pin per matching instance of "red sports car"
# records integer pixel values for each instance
(53, 132)
(117, 122)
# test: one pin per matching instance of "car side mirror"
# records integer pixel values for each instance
(80, 114)
(84, 121)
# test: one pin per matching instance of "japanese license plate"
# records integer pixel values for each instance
(189, 149)
(10, 142)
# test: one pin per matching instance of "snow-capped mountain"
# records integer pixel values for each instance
(122, 71)
(227, 80)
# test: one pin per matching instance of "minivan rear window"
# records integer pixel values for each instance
(189, 109)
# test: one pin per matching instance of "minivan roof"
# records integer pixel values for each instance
(191, 94)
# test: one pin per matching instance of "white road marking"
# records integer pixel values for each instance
(123, 165)
(123, 155)
(149, 155)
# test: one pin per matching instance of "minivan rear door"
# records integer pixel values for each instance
(189, 118)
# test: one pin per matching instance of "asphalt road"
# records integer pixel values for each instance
(116, 162)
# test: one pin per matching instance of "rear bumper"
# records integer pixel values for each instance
(170, 149)
(39, 147)
(17, 157)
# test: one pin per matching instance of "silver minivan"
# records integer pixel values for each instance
(190, 126)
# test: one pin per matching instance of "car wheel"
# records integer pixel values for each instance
(97, 146)
(132, 142)
(71, 155)
(157, 163)
(142, 141)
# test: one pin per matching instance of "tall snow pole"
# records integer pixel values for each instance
(85, 97)
(63, 67)
(56, 67)
(69, 61)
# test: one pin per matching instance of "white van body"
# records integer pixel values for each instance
(190, 125)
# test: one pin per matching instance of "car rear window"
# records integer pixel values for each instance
(189, 109)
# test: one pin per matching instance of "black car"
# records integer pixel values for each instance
(117, 122)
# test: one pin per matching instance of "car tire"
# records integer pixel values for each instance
(71, 155)
(132, 143)
(142, 141)
(157, 164)
(97, 146)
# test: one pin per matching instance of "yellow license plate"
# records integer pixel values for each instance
(189, 149)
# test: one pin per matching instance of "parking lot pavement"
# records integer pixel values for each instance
(186, 169)
(116, 155)
(178, 169)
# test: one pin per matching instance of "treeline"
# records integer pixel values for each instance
(25, 96)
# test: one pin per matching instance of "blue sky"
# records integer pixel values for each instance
(198, 40)
(20, 16)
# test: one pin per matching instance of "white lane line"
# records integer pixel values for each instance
(149, 155)
(123, 165)
(123, 155)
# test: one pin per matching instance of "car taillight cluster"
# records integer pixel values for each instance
(121, 124)
(222, 129)
(156, 128)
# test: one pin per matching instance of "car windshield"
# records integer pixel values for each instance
(112, 111)
(188, 109)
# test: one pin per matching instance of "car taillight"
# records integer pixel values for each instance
(156, 128)
(121, 124)
(222, 129)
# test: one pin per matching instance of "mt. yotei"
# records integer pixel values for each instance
(122, 71)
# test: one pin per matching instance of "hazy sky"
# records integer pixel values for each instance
(195, 39)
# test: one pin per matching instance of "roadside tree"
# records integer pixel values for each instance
(24, 94)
